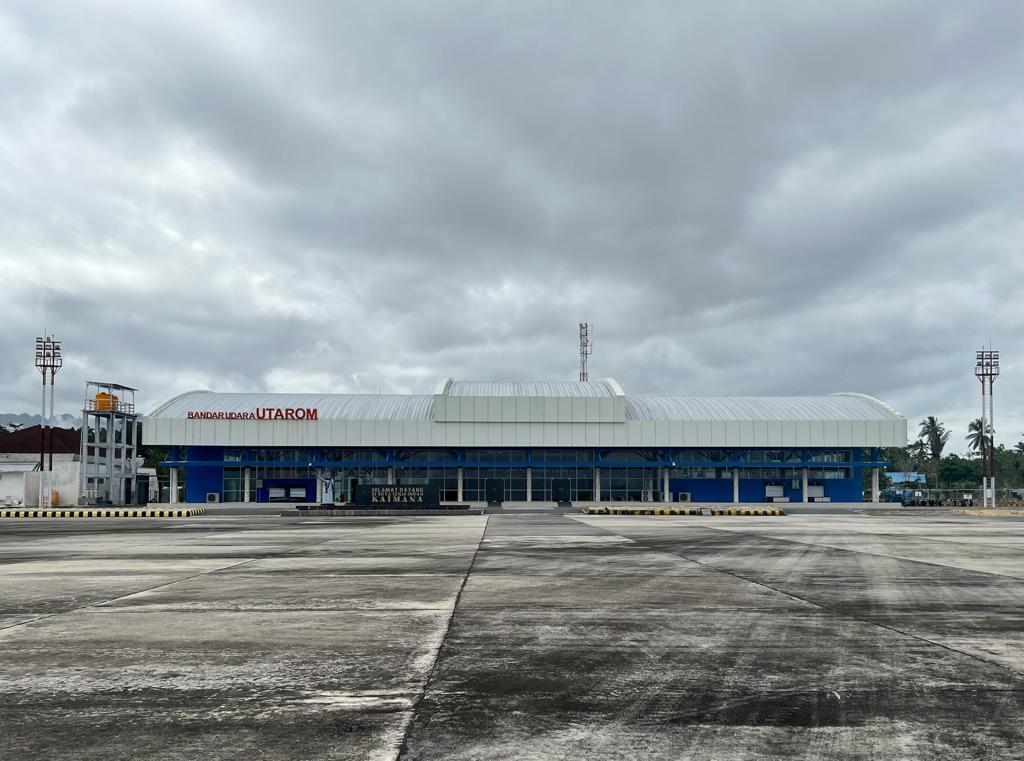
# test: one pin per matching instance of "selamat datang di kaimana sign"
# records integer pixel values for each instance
(260, 413)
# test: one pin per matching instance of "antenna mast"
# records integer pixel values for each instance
(585, 349)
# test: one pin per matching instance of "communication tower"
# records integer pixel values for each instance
(585, 349)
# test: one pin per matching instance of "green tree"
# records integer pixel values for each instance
(917, 452)
(960, 473)
(935, 434)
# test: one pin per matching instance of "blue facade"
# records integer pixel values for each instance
(705, 475)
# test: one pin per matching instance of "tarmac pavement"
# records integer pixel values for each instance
(532, 635)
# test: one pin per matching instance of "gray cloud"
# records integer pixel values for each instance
(745, 198)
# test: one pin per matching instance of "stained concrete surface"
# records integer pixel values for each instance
(513, 636)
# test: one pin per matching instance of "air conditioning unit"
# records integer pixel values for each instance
(212, 496)
(683, 496)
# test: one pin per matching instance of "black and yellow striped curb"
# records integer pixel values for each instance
(747, 511)
(103, 513)
(744, 511)
(642, 511)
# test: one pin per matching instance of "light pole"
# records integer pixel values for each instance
(48, 358)
(986, 370)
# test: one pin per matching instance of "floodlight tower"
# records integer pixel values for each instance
(986, 369)
(48, 360)
(585, 349)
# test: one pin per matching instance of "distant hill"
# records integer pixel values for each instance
(61, 421)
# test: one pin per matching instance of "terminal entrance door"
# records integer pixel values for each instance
(494, 491)
(560, 490)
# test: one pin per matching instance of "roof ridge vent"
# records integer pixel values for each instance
(614, 386)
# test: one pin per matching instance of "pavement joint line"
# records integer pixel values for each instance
(150, 589)
(832, 611)
(418, 701)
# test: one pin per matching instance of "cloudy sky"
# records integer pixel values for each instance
(743, 197)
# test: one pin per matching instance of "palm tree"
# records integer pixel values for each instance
(935, 434)
(1020, 447)
(975, 439)
(917, 452)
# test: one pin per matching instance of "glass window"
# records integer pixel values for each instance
(234, 485)
(346, 479)
(562, 455)
(832, 456)
(828, 472)
(631, 484)
(581, 483)
(770, 456)
(631, 455)
(701, 455)
(445, 479)
(282, 471)
(277, 455)
(354, 455)
(425, 455)
(474, 483)
(698, 472)
(495, 455)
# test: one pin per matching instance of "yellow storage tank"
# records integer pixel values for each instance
(106, 402)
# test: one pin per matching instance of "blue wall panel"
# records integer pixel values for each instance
(200, 479)
(845, 489)
(703, 489)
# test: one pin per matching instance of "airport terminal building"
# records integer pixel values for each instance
(525, 441)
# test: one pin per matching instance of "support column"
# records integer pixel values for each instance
(391, 476)
(459, 485)
(174, 486)
(529, 484)
(803, 490)
(874, 484)
(246, 482)
(735, 485)
(597, 484)
(319, 490)
(664, 485)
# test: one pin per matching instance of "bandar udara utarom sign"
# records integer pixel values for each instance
(260, 413)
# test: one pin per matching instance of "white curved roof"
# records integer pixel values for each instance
(590, 389)
(469, 414)
(847, 407)
(329, 406)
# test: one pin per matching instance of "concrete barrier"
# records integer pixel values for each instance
(102, 512)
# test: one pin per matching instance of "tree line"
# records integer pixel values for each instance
(951, 471)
